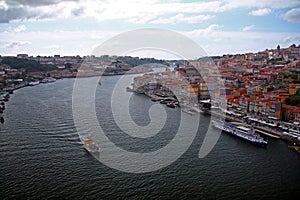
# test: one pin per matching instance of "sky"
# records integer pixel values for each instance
(77, 27)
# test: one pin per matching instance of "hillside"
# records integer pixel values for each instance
(28, 65)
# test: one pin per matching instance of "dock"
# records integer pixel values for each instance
(237, 123)
(267, 134)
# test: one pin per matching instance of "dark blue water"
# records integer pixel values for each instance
(41, 156)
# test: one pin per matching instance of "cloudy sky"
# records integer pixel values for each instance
(76, 27)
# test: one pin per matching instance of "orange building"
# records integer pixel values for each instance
(290, 113)
(293, 88)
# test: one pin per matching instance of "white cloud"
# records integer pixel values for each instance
(33, 2)
(260, 12)
(292, 40)
(181, 18)
(215, 40)
(139, 12)
(134, 11)
(16, 44)
(274, 4)
(20, 28)
(218, 42)
(54, 46)
(142, 18)
(248, 28)
(292, 15)
(64, 42)
(3, 5)
(203, 32)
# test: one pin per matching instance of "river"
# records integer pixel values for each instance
(41, 155)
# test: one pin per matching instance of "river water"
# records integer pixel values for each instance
(41, 155)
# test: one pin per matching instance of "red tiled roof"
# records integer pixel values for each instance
(292, 108)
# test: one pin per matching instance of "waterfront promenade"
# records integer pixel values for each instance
(275, 131)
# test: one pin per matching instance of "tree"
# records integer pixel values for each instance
(28, 65)
(18, 76)
(293, 100)
(68, 65)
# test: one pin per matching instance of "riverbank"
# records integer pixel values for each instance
(262, 127)
(8, 91)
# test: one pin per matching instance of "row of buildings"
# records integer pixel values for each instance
(63, 67)
(248, 83)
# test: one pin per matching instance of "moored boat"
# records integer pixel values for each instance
(48, 80)
(155, 98)
(128, 89)
(4, 96)
(242, 132)
(171, 105)
(33, 83)
(296, 148)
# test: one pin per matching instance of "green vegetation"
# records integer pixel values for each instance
(28, 65)
(68, 65)
(135, 61)
(296, 81)
(274, 61)
(293, 100)
(264, 85)
(116, 70)
(278, 84)
(282, 86)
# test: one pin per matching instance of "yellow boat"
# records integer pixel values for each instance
(90, 146)
(296, 148)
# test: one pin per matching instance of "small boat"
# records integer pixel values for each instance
(165, 101)
(4, 96)
(128, 89)
(48, 80)
(33, 83)
(90, 146)
(154, 98)
(171, 105)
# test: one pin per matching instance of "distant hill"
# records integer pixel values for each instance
(135, 61)
(28, 65)
(33, 66)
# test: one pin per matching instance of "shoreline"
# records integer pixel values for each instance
(190, 109)
(274, 133)
(7, 89)
(10, 90)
